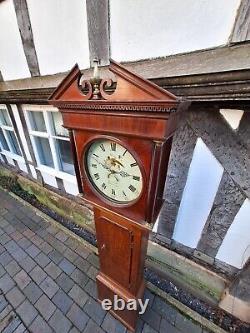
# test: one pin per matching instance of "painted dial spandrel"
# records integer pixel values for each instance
(113, 171)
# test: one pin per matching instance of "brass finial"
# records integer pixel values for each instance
(96, 80)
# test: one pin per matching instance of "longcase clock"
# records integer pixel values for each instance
(121, 139)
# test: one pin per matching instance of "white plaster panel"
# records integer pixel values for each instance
(144, 28)
(204, 177)
(70, 187)
(21, 131)
(13, 64)
(22, 166)
(235, 248)
(232, 116)
(60, 34)
(49, 179)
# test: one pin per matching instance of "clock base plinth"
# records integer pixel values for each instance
(108, 289)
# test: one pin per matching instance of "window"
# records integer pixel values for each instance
(50, 140)
(8, 139)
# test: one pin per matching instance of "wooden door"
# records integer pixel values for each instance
(115, 244)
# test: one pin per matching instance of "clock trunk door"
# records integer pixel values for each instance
(115, 250)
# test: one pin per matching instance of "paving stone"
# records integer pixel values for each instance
(4, 239)
(24, 243)
(55, 256)
(94, 310)
(72, 243)
(13, 268)
(148, 329)
(7, 309)
(40, 326)
(11, 246)
(65, 282)
(13, 323)
(59, 322)
(19, 254)
(61, 236)
(32, 292)
(139, 326)
(165, 310)
(94, 260)
(16, 235)
(74, 330)
(36, 240)
(42, 260)
(152, 318)
(78, 295)
(2, 271)
(20, 329)
(38, 274)
(45, 247)
(92, 272)
(3, 303)
(165, 326)
(6, 283)
(92, 328)
(59, 246)
(82, 264)
(79, 277)
(186, 325)
(83, 251)
(45, 306)
(78, 317)
(53, 270)
(27, 264)
(15, 297)
(5, 258)
(150, 296)
(66, 266)
(28, 233)
(112, 325)
(33, 250)
(49, 287)
(27, 312)
(22, 279)
(70, 255)
(62, 301)
(91, 289)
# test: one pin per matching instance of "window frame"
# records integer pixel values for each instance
(10, 153)
(51, 136)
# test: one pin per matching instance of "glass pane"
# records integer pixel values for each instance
(14, 146)
(4, 118)
(37, 122)
(58, 124)
(65, 156)
(3, 142)
(44, 151)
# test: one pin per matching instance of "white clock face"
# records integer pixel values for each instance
(113, 171)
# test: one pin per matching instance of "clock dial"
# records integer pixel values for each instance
(113, 171)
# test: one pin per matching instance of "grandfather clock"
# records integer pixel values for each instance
(121, 138)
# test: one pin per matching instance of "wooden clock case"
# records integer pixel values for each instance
(142, 117)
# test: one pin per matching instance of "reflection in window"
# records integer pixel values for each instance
(59, 130)
(4, 118)
(37, 122)
(44, 151)
(14, 146)
(3, 141)
(65, 156)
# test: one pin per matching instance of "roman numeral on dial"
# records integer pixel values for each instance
(132, 188)
(136, 178)
(104, 186)
(102, 147)
(113, 191)
(133, 164)
(96, 175)
(113, 146)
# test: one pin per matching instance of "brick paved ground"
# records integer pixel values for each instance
(47, 282)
